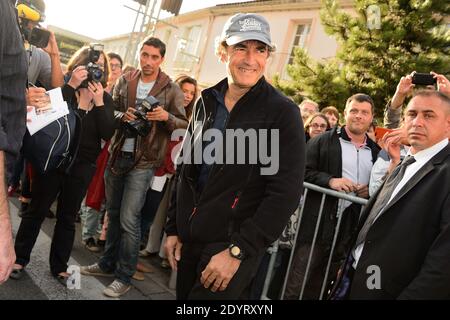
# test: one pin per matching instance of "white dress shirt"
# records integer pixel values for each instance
(421, 157)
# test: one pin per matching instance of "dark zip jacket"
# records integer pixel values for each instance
(92, 126)
(324, 162)
(238, 204)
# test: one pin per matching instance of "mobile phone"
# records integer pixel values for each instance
(39, 37)
(380, 132)
(424, 79)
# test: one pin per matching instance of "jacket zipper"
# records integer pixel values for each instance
(190, 182)
(53, 146)
(357, 166)
(214, 164)
(196, 203)
(66, 121)
(236, 200)
(68, 133)
(194, 210)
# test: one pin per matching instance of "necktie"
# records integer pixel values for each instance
(383, 197)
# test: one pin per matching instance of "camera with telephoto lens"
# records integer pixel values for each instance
(141, 126)
(95, 73)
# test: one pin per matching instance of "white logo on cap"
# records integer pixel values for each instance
(250, 24)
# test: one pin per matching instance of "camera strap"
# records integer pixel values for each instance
(132, 80)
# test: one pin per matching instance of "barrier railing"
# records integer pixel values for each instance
(274, 249)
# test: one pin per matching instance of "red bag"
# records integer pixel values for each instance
(96, 191)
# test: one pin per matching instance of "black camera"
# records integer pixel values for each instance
(39, 37)
(95, 73)
(141, 126)
(27, 12)
(424, 79)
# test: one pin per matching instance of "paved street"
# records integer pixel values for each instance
(38, 283)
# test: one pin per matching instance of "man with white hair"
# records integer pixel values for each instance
(308, 108)
(226, 215)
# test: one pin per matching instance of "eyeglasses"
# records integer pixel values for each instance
(317, 126)
(115, 65)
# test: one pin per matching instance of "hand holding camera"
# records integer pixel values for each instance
(443, 83)
(158, 114)
(405, 85)
(137, 120)
(97, 90)
(129, 115)
(52, 46)
(79, 74)
(94, 71)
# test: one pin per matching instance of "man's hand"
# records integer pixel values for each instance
(342, 184)
(37, 97)
(79, 74)
(362, 191)
(219, 271)
(52, 46)
(173, 250)
(129, 115)
(403, 89)
(443, 83)
(392, 142)
(158, 114)
(7, 254)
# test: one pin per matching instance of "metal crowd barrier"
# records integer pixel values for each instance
(274, 249)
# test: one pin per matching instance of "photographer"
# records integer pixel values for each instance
(44, 63)
(136, 150)
(93, 112)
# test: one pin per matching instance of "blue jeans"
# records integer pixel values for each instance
(125, 197)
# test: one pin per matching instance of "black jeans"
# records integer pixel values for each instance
(46, 187)
(26, 181)
(152, 200)
(195, 258)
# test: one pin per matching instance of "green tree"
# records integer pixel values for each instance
(412, 35)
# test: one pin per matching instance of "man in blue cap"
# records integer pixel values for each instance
(226, 213)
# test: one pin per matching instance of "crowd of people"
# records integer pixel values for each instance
(113, 161)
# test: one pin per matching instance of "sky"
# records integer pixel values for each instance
(100, 19)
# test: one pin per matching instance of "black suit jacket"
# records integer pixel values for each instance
(410, 241)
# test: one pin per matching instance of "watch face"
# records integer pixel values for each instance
(235, 251)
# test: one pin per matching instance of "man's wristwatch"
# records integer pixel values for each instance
(236, 252)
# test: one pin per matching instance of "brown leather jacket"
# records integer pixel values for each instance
(150, 150)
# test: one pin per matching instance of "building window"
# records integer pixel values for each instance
(300, 37)
(187, 49)
(167, 35)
